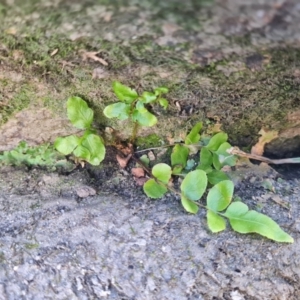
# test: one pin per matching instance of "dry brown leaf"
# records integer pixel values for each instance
(54, 52)
(85, 191)
(138, 172)
(141, 181)
(123, 161)
(266, 137)
(151, 156)
(100, 73)
(92, 55)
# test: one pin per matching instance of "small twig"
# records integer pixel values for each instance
(237, 151)
(167, 146)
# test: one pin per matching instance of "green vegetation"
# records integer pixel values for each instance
(206, 177)
(41, 156)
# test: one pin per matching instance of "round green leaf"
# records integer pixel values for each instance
(144, 117)
(124, 93)
(80, 115)
(66, 145)
(217, 140)
(162, 172)
(220, 195)
(194, 184)
(215, 222)
(189, 205)
(118, 110)
(153, 189)
(244, 221)
(215, 177)
(95, 146)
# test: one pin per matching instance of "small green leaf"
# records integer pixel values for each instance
(162, 172)
(118, 110)
(124, 93)
(161, 90)
(216, 176)
(206, 157)
(194, 137)
(189, 205)
(80, 115)
(216, 163)
(177, 169)
(244, 220)
(145, 159)
(215, 222)
(95, 146)
(217, 140)
(67, 144)
(194, 184)
(82, 152)
(206, 169)
(148, 97)
(179, 155)
(225, 158)
(164, 103)
(153, 189)
(220, 195)
(144, 118)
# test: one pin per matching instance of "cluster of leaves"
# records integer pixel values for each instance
(134, 106)
(205, 178)
(42, 156)
(89, 146)
(207, 175)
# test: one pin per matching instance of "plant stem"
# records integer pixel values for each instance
(134, 132)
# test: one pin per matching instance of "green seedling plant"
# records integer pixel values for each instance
(42, 156)
(89, 146)
(134, 106)
(208, 179)
(204, 179)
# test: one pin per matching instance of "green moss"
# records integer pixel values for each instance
(31, 246)
(19, 101)
(149, 141)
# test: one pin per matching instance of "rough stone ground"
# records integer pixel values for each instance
(118, 244)
(55, 246)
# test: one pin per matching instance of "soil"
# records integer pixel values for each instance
(91, 233)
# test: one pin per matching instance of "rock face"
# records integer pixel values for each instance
(235, 62)
(55, 245)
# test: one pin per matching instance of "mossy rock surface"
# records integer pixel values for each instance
(244, 75)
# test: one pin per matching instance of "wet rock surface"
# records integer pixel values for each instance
(56, 245)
